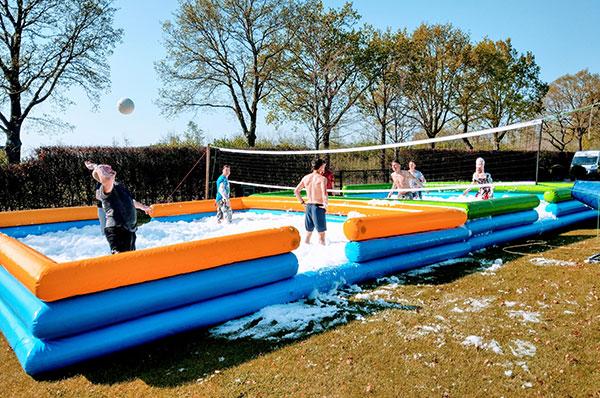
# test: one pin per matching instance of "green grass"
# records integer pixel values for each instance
(391, 352)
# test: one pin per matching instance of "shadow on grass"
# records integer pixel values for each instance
(195, 356)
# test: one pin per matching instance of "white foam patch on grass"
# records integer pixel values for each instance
(88, 241)
(522, 348)
(474, 305)
(525, 316)
(283, 321)
(295, 320)
(492, 266)
(480, 343)
(542, 262)
(424, 330)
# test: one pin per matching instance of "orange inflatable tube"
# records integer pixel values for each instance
(191, 207)
(47, 216)
(380, 226)
(342, 207)
(52, 281)
(381, 221)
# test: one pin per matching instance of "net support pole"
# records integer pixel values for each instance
(590, 122)
(539, 149)
(207, 171)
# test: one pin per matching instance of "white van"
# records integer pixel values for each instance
(589, 160)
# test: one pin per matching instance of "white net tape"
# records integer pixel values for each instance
(421, 189)
(454, 137)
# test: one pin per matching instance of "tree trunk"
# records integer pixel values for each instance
(13, 129)
(251, 135)
(326, 135)
(497, 139)
(466, 140)
(382, 153)
(13, 144)
(327, 127)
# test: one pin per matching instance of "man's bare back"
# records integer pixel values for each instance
(316, 188)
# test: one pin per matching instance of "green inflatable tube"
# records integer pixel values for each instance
(493, 207)
(558, 195)
(477, 209)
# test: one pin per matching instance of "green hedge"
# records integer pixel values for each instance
(57, 177)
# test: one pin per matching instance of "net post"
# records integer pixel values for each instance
(590, 121)
(539, 149)
(207, 171)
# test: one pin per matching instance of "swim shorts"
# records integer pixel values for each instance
(315, 217)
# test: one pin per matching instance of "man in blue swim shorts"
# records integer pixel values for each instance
(316, 203)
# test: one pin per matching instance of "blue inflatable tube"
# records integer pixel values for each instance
(525, 231)
(587, 192)
(503, 221)
(37, 356)
(75, 315)
(568, 220)
(385, 247)
(503, 236)
(567, 207)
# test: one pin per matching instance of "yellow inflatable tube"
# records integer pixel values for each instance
(52, 281)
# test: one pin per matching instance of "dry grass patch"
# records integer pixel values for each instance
(526, 328)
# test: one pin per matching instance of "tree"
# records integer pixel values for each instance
(468, 103)
(46, 48)
(192, 136)
(565, 95)
(438, 57)
(513, 89)
(389, 52)
(322, 77)
(222, 54)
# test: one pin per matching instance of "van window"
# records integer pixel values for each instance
(584, 160)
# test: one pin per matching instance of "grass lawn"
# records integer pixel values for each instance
(530, 327)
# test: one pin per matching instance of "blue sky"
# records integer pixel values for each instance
(563, 36)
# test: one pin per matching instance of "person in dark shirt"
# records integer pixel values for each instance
(119, 208)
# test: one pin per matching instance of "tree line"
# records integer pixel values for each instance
(321, 68)
(291, 62)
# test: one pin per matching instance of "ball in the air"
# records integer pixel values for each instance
(125, 106)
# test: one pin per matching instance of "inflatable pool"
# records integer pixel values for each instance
(55, 314)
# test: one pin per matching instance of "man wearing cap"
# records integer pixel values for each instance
(316, 202)
(119, 208)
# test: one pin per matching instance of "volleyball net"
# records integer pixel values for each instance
(447, 162)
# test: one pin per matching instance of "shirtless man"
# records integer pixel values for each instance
(316, 202)
(400, 181)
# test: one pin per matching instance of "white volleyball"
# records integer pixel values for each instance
(125, 106)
